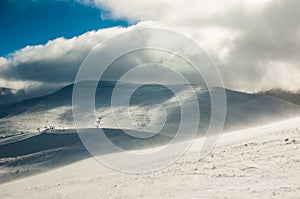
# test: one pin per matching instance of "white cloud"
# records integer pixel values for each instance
(55, 62)
(239, 34)
(255, 43)
(178, 11)
(289, 75)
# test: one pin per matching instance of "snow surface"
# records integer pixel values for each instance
(262, 162)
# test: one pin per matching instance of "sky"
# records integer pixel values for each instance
(36, 22)
(255, 44)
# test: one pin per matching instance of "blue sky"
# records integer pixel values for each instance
(32, 22)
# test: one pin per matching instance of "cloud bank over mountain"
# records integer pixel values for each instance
(255, 44)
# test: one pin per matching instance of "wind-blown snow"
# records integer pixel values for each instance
(34, 115)
(262, 162)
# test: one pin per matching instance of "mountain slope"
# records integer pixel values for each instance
(258, 163)
(39, 133)
(293, 97)
(37, 114)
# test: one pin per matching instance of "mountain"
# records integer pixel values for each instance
(55, 109)
(39, 133)
(9, 95)
(293, 97)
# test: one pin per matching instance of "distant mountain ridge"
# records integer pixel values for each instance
(9, 95)
(293, 97)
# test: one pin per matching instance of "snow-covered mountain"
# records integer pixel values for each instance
(55, 110)
(293, 97)
(39, 133)
(9, 95)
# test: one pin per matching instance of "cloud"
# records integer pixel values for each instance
(180, 12)
(55, 62)
(255, 44)
(246, 38)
